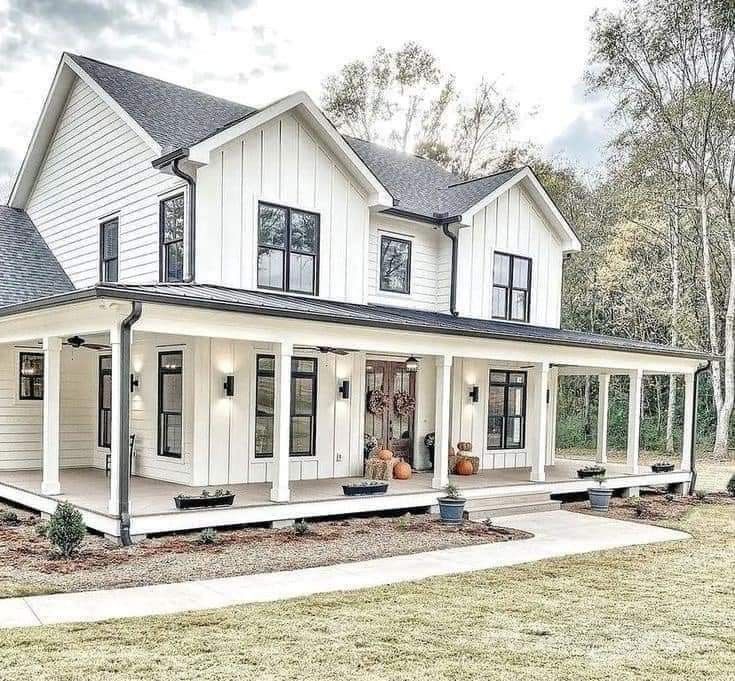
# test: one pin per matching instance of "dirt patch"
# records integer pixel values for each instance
(27, 562)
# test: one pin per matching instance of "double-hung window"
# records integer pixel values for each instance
(104, 398)
(288, 249)
(170, 401)
(506, 413)
(109, 250)
(511, 287)
(30, 380)
(395, 264)
(171, 230)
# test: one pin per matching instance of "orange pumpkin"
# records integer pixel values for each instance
(402, 471)
(385, 455)
(464, 467)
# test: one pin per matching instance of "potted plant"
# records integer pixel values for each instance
(593, 471)
(430, 441)
(370, 445)
(599, 496)
(451, 506)
(662, 467)
(221, 497)
(364, 488)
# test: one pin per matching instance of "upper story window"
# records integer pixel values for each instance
(109, 250)
(30, 381)
(506, 410)
(395, 264)
(288, 249)
(171, 227)
(511, 287)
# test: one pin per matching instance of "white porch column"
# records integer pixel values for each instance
(116, 447)
(634, 418)
(538, 450)
(602, 416)
(281, 422)
(442, 425)
(689, 422)
(51, 414)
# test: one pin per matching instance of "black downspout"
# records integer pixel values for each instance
(191, 274)
(124, 464)
(453, 278)
(693, 481)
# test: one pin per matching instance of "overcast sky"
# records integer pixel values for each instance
(254, 51)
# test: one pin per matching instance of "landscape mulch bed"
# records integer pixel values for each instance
(27, 564)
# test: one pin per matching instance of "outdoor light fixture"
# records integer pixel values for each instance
(412, 365)
(134, 382)
(344, 389)
(30, 368)
(475, 393)
(229, 386)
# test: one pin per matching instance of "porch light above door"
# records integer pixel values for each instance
(412, 365)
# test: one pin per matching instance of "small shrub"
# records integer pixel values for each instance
(42, 528)
(488, 523)
(66, 529)
(452, 491)
(301, 527)
(731, 486)
(9, 517)
(404, 522)
(700, 494)
(208, 536)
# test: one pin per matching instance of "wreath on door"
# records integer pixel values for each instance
(377, 401)
(403, 403)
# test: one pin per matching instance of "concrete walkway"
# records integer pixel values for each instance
(556, 533)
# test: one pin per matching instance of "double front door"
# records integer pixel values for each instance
(392, 429)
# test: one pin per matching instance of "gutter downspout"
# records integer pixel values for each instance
(191, 274)
(124, 463)
(693, 481)
(445, 224)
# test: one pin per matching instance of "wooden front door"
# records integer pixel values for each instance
(393, 430)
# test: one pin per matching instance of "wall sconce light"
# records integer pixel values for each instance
(344, 389)
(475, 393)
(229, 386)
(134, 382)
(412, 365)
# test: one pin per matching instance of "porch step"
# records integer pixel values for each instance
(491, 507)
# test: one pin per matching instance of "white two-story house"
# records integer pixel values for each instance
(250, 294)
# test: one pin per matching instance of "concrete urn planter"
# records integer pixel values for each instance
(600, 498)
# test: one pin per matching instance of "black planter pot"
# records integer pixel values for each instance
(364, 489)
(662, 467)
(584, 473)
(183, 503)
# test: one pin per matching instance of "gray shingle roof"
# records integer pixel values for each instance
(172, 115)
(28, 269)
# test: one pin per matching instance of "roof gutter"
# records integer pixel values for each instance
(172, 161)
(445, 222)
(697, 373)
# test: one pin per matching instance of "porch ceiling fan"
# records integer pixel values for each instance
(79, 342)
(335, 351)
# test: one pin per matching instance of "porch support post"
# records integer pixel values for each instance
(634, 418)
(115, 414)
(687, 438)
(442, 425)
(602, 416)
(538, 451)
(51, 414)
(281, 423)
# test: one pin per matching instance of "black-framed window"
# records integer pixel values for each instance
(506, 413)
(170, 401)
(302, 436)
(104, 402)
(395, 264)
(109, 250)
(511, 287)
(30, 376)
(171, 228)
(288, 249)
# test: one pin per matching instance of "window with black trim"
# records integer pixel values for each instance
(506, 413)
(109, 250)
(288, 249)
(511, 287)
(170, 400)
(30, 379)
(302, 438)
(104, 402)
(171, 227)
(395, 264)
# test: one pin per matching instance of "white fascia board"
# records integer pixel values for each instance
(570, 242)
(199, 153)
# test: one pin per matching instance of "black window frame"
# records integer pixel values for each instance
(390, 237)
(287, 250)
(506, 417)
(509, 288)
(162, 447)
(164, 245)
(33, 396)
(104, 414)
(313, 375)
(104, 259)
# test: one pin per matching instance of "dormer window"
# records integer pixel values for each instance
(288, 249)
(171, 229)
(511, 287)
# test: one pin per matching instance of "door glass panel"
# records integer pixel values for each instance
(494, 432)
(301, 435)
(514, 436)
(515, 400)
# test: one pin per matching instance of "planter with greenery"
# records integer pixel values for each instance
(662, 467)
(591, 471)
(731, 486)
(451, 506)
(429, 442)
(600, 496)
(364, 487)
(220, 497)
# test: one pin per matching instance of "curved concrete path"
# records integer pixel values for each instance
(556, 534)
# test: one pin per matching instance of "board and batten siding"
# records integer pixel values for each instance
(96, 167)
(281, 162)
(510, 224)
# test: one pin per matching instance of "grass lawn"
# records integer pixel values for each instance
(656, 612)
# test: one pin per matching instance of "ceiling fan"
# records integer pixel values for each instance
(79, 342)
(335, 351)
